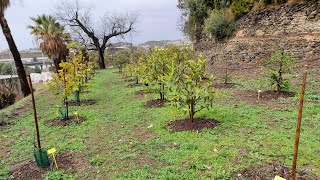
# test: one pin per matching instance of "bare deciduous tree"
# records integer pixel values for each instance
(97, 34)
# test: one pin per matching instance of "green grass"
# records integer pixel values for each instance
(112, 142)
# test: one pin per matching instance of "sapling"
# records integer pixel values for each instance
(279, 64)
(190, 86)
(121, 58)
(156, 68)
(69, 80)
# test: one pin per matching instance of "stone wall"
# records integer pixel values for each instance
(294, 28)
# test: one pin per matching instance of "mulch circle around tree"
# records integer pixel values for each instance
(224, 85)
(198, 124)
(29, 170)
(82, 102)
(58, 122)
(269, 171)
(268, 95)
(155, 103)
(264, 96)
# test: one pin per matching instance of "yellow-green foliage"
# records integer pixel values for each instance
(155, 68)
(121, 58)
(190, 86)
(72, 75)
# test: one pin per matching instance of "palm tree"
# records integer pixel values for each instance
(4, 4)
(51, 37)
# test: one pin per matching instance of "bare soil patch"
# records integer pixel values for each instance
(266, 97)
(82, 102)
(58, 122)
(224, 85)
(269, 171)
(198, 124)
(155, 103)
(142, 134)
(29, 170)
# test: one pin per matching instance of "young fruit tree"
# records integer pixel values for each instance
(190, 86)
(156, 68)
(279, 64)
(121, 58)
(70, 79)
(82, 68)
(62, 86)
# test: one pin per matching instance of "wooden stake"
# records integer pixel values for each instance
(296, 146)
(34, 112)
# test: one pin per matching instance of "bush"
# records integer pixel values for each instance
(6, 69)
(1, 64)
(7, 96)
(219, 26)
(37, 69)
(241, 7)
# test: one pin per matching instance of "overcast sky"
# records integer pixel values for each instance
(158, 19)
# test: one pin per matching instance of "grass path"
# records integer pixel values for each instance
(123, 140)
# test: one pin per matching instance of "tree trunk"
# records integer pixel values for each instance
(161, 91)
(25, 89)
(101, 58)
(191, 111)
(57, 62)
(280, 78)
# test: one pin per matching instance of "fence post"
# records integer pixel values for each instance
(34, 112)
(297, 137)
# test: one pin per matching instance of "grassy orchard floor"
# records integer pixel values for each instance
(115, 141)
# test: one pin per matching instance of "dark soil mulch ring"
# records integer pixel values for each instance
(82, 102)
(264, 96)
(29, 170)
(58, 122)
(155, 103)
(224, 85)
(268, 95)
(269, 171)
(198, 124)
